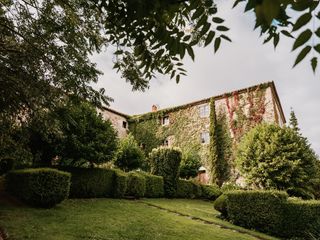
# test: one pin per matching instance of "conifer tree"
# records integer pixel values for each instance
(293, 121)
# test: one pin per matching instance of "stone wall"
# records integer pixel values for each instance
(119, 122)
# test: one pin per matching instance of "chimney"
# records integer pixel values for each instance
(154, 108)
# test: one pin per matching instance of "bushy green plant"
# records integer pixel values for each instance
(220, 204)
(188, 189)
(190, 164)
(129, 155)
(260, 210)
(272, 157)
(88, 139)
(91, 182)
(120, 184)
(154, 185)
(229, 186)
(210, 192)
(136, 185)
(271, 212)
(41, 187)
(165, 162)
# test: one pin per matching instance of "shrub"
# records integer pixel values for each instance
(300, 219)
(136, 185)
(210, 192)
(190, 164)
(256, 209)
(91, 182)
(229, 186)
(220, 204)
(165, 162)
(272, 157)
(154, 185)
(42, 187)
(129, 155)
(271, 212)
(6, 165)
(185, 189)
(120, 184)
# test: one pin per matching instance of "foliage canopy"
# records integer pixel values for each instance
(272, 157)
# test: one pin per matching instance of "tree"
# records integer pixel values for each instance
(190, 164)
(88, 139)
(45, 45)
(293, 122)
(129, 155)
(272, 157)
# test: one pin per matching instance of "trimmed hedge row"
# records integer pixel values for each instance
(136, 185)
(91, 182)
(120, 184)
(40, 187)
(271, 212)
(154, 185)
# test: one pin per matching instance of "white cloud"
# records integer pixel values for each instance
(242, 63)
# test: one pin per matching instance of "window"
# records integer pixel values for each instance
(124, 124)
(205, 137)
(204, 111)
(165, 121)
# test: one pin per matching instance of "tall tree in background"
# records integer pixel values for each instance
(293, 121)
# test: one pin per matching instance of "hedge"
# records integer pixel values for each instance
(136, 185)
(154, 185)
(210, 192)
(120, 184)
(271, 212)
(188, 189)
(40, 187)
(91, 182)
(165, 162)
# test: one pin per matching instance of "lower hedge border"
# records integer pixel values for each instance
(154, 185)
(136, 185)
(271, 212)
(40, 187)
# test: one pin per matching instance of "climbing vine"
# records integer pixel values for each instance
(213, 148)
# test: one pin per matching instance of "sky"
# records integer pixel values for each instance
(240, 64)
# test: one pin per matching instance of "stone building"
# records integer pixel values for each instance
(190, 126)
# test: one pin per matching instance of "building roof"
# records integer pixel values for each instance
(218, 97)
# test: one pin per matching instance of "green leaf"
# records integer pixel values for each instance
(270, 9)
(302, 21)
(186, 38)
(190, 52)
(237, 2)
(314, 63)
(217, 44)
(286, 33)
(197, 13)
(217, 20)
(173, 74)
(205, 29)
(317, 32)
(177, 78)
(222, 28)
(302, 39)
(209, 38)
(276, 40)
(225, 37)
(317, 48)
(302, 55)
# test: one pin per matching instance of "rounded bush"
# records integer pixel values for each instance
(42, 187)
(220, 204)
(271, 157)
(6, 164)
(210, 192)
(136, 185)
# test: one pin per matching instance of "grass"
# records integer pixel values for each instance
(106, 219)
(203, 210)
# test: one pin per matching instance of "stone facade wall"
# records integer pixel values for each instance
(117, 121)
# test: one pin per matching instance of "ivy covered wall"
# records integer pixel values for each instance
(231, 116)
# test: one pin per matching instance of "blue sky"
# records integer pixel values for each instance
(239, 64)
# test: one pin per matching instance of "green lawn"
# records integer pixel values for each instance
(115, 219)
